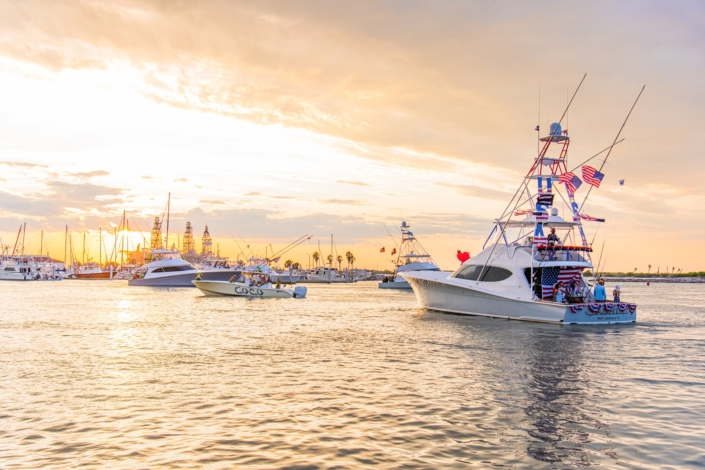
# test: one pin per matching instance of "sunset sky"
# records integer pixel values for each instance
(268, 120)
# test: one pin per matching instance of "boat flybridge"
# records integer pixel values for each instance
(412, 257)
(529, 251)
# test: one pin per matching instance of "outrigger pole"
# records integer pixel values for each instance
(614, 143)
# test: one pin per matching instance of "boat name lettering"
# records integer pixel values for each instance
(250, 291)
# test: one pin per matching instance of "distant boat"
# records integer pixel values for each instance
(168, 269)
(412, 257)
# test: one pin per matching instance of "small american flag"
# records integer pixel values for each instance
(539, 241)
(621, 182)
(591, 218)
(524, 212)
(541, 216)
(592, 176)
(572, 182)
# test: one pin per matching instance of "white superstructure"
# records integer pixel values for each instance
(412, 257)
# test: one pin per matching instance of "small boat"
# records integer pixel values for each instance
(91, 271)
(249, 285)
(412, 257)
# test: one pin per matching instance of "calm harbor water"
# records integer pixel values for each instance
(96, 374)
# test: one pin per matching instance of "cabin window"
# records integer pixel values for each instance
(171, 269)
(495, 274)
(469, 273)
(9, 269)
(158, 270)
(490, 273)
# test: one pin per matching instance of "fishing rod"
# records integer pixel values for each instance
(291, 246)
(613, 144)
(390, 234)
(597, 155)
(602, 250)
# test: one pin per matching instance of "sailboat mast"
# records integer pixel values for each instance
(41, 243)
(24, 234)
(122, 251)
(100, 248)
(168, 211)
(83, 255)
(17, 239)
(66, 239)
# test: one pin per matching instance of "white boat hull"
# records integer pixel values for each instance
(396, 284)
(182, 279)
(237, 289)
(435, 294)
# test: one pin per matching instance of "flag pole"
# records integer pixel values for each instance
(613, 144)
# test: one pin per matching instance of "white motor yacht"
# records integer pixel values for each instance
(168, 269)
(326, 275)
(522, 263)
(412, 257)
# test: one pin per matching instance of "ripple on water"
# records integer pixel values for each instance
(99, 374)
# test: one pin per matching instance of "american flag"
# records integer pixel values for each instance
(621, 182)
(394, 251)
(539, 241)
(591, 218)
(541, 216)
(524, 212)
(382, 250)
(551, 276)
(592, 176)
(572, 182)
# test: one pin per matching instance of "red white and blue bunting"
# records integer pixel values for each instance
(606, 307)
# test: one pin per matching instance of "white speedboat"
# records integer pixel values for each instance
(518, 271)
(168, 269)
(250, 285)
(412, 257)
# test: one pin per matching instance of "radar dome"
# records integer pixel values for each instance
(554, 211)
(556, 129)
(403, 224)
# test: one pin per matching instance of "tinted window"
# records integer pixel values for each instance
(171, 269)
(158, 270)
(469, 273)
(495, 274)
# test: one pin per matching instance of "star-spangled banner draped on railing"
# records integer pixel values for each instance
(551, 276)
(592, 176)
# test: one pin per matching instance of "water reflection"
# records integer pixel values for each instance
(559, 409)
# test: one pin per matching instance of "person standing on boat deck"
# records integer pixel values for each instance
(551, 240)
(616, 293)
(463, 256)
(599, 292)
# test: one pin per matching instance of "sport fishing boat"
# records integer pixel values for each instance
(168, 269)
(249, 285)
(520, 267)
(412, 257)
(91, 271)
